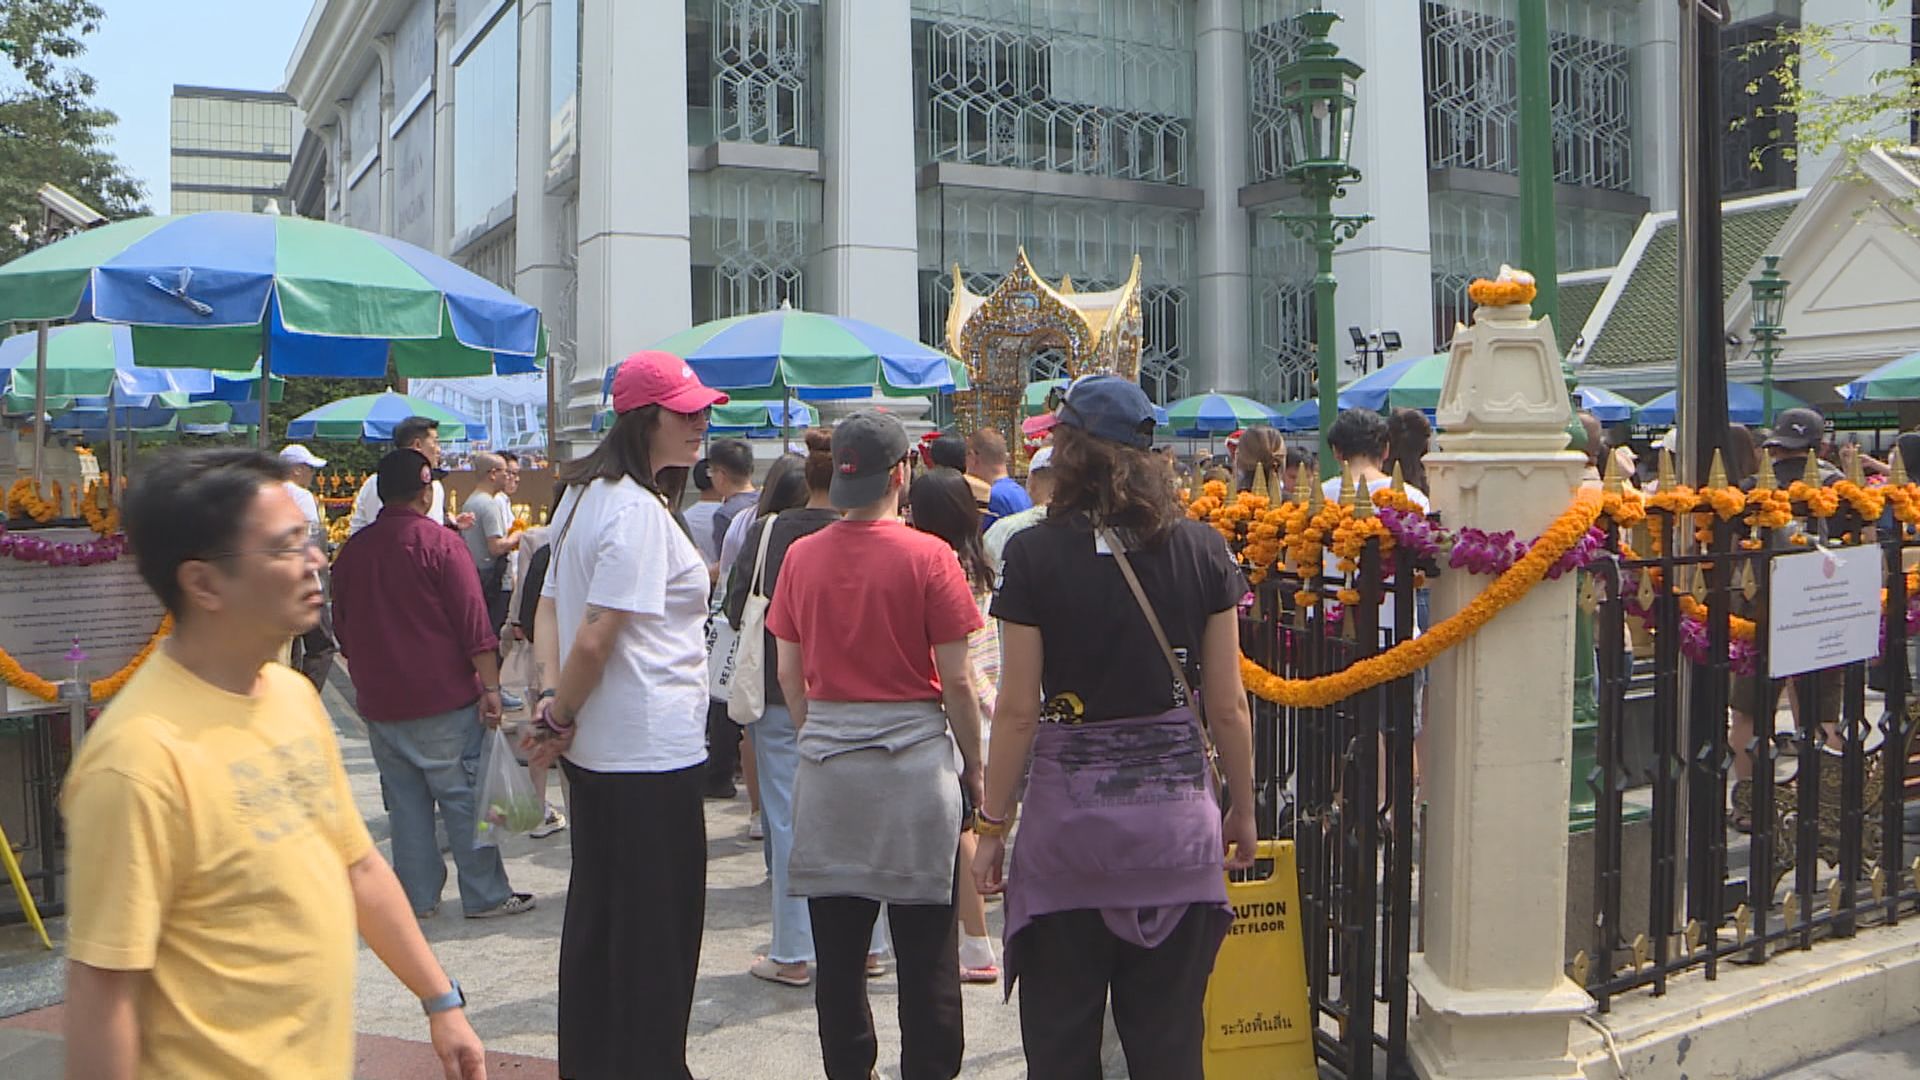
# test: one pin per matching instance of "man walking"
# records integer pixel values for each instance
(488, 541)
(426, 676)
(987, 461)
(218, 866)
(730, 464)
(416, 433)
(313, 651)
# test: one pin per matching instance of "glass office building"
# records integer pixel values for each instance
(231, 149)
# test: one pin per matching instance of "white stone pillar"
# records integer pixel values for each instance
(1493, 1000)
(383, 51)
(867, 266)
(1386, 273)
(539, 277)
(1851, 70)
(445, 19)
(1222, 354)
(634, 243)
(1656, 106)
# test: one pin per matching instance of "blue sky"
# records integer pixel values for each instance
(144, 47)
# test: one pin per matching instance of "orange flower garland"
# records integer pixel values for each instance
(13, 674)
(1769, 509)
(23, 500)
(1867, 502)
(1410, 656)
(1350, 539)
(103, 519)
(1822, 502)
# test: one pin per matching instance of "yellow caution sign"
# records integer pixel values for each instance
(1259, 1021)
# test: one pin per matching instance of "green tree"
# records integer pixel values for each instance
(50, 130)
(1881, 115)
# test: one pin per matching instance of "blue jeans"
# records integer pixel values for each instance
(776, 751)
(435, 761)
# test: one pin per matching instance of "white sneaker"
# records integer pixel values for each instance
(756, 826)
(554, 822)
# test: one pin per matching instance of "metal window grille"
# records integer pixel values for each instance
(751, 234)
(1473, 111)
(1050, 85)
(1473, 234)
(1274, 38)
(1285, 362)
(762, 71)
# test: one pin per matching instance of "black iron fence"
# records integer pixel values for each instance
(1339, 781)
(1713, 844)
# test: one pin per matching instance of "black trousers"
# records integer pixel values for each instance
(497, 599)
(1070, 962)
(636, 909)
(926, 945)
(723, 747)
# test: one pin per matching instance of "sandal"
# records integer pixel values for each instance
(876, 965)
(989, 973)
(773, 971)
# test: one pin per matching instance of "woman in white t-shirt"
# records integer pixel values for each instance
(621, 647)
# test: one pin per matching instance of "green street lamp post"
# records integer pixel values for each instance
(1769, 308)
(1317, 91)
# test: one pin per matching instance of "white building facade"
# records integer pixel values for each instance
(634, 168)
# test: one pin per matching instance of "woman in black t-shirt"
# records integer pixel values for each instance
(1116, 885)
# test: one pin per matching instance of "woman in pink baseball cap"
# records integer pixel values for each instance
(620, 648)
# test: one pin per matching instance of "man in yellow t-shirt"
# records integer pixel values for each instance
(219, 867)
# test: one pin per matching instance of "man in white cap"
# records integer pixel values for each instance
(301, 463)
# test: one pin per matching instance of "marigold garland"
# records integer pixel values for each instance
(103, 520)
(24, 500)
(1410, 656)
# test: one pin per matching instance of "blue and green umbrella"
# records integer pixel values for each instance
(1413, 383)
(812, 357)
(372, 418)
(1745, 405)
(1298, 415)
(1216, 414)
(1605, 405)
(1898, 380)
(91, 360)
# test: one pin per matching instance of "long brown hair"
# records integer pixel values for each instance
(1111, 485)
(1409, 437)
(624, 452)
(943, 505)
(1259, 445)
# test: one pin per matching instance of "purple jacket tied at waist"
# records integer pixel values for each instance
(1119, 818)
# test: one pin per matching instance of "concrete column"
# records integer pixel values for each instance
(443, 27)
(1493, 1000)
(383, 50)
(868, 263)
(539, 277)
(1851, 70)
(1386, 273)
(1222, 357)
(1656, 106)
(634, 240)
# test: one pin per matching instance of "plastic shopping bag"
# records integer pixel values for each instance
(507, 802)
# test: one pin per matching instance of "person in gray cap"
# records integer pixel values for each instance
(1116, 890)
(1796, 434)
(871, 619)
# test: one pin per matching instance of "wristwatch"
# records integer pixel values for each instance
(455, 998)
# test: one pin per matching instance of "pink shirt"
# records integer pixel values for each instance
(867, 601)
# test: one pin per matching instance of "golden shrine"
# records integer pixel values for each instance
(997, 335)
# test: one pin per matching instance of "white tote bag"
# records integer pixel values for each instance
(721, 643)
(747, 697)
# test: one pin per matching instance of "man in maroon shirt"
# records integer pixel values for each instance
(413, 629)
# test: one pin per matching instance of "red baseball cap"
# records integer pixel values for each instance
(658, 378)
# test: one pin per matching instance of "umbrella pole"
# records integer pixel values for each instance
(265, 386)
(786, 423)
(39, 403)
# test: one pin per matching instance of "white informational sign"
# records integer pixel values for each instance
(1824, 610)
(44, 608)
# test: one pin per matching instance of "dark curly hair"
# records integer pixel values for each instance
(1111, 485)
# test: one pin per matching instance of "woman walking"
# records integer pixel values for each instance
(872, 620)
(943, 505)
(1116, 887)
(621, 650)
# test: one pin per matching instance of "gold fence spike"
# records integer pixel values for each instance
(1666, 474)
(1856, 472)
(1717, 472)
(1749, 585)
(1642, 951)
(1645, 594)
(1614, 482)
(1692, 935)
(1833, 896)
(1399, 480)
(1589, 596)
(1878, 883)
(1699, 589)
(1315, 498)
(1303, 485)
(1811, 477)
(1260, 478)
(1916, 873)
(1790, 908)
(1898, 473)
(1579, 968)
(1276, 485)
(1743, 922)
(1764, 480)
